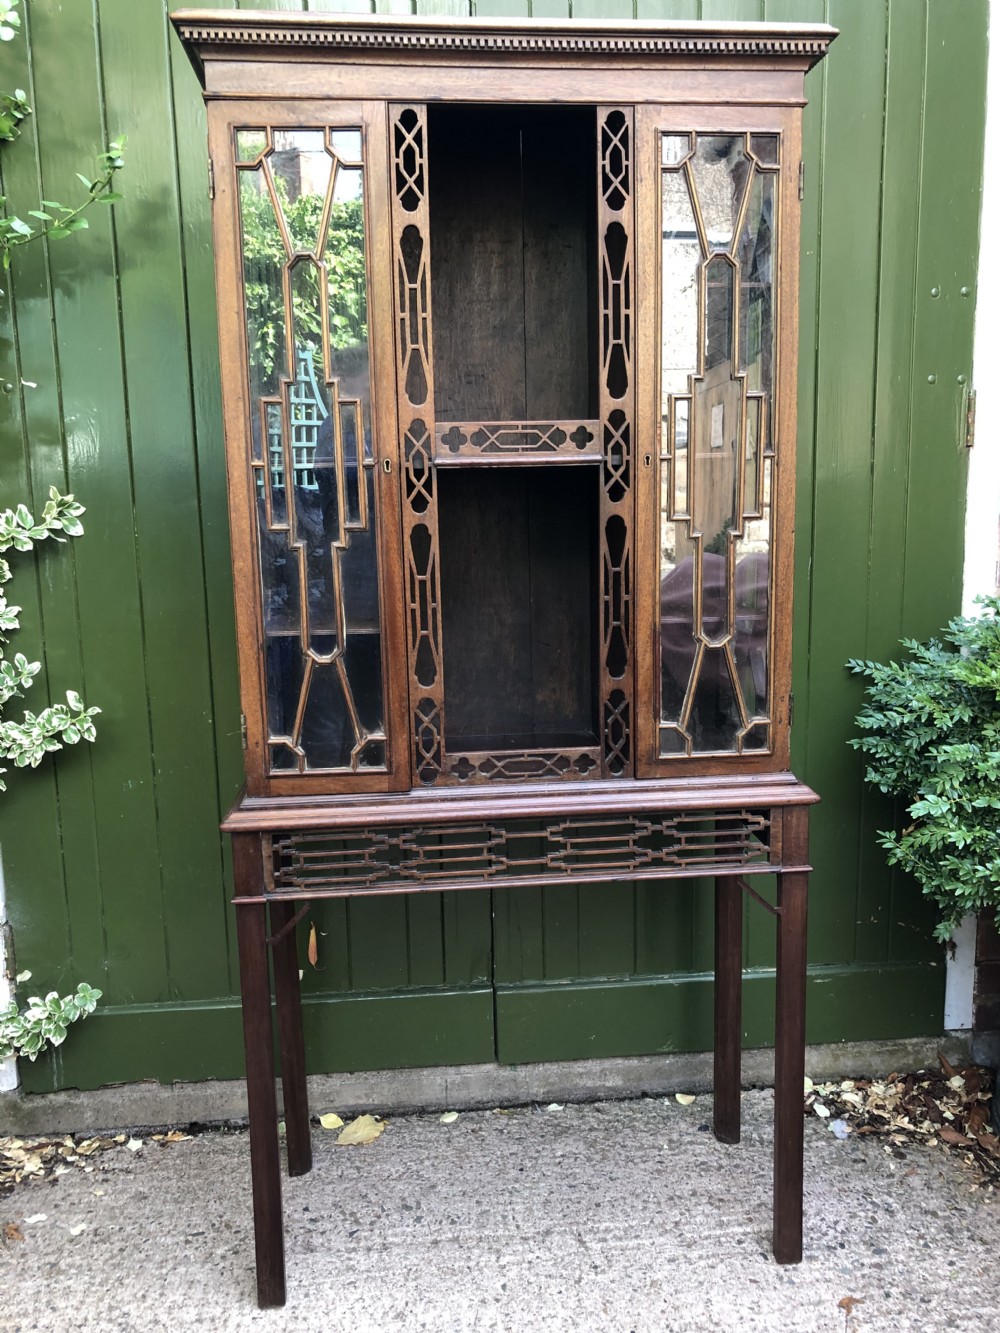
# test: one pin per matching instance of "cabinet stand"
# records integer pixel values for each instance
(267, 914)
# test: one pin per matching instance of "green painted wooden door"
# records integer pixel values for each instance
(114, 868)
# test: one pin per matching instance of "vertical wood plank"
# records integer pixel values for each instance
(120, 813)
(845, 355)
(167, 521)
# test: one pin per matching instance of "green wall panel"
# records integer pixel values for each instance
(114, 867)
(202, 1041)
(597, 1019)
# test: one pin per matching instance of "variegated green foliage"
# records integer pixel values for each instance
(931, 735)
(28, 740)
(44, 1021)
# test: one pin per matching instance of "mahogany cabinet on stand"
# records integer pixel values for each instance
(508, 329)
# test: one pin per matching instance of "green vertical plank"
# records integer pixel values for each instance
(603, 9)
(459, 9)
(677, 11)
(606, 929)
(893, 426)
(852, 165)
(71, 129)
(165, 505)
(424, 940)
(209, 476)
(394, 6)
(505, 9)
(378, 944)
(550, 9)
(339, 6)
(30, 460)
(664, 912)
(948, 248)
(947, 256)
(518, 935)
(563, 925)
(467, 931)
(732, 11)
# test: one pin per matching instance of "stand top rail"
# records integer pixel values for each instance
(256, 814)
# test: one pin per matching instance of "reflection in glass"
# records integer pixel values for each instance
(249, 145)
(751, 466)
(721, 170)
(305, 290)
(752, 599)
(719, 275)
(675, 148)
(756, 256)
(682, 459)
(765, 149)
(715, 720)
(681, 264)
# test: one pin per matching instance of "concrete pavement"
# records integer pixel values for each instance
(622, 1216)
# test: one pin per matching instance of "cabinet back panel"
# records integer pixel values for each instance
(512, 212)
(518, 605)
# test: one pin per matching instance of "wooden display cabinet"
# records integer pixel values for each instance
(508, 329)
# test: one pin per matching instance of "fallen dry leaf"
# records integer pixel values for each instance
(947, 1109)
(11, 1232)
(847, 1304)
(953, 1136)
(365, 1129)
(331, 1120)
(449, 1117)
(312, 953)
(949, 1069)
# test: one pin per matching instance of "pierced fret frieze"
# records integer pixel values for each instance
(519, 441)
(524, 851)
(520, 766)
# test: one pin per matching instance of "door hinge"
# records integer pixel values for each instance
(970, 419)
(802, 180)
(211, 179)
(243, 729)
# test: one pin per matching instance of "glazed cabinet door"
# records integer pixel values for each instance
(718, 206)
(301, 208)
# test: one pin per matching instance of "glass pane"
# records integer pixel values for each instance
(346, 146)
(677, 639)
(756, 257)
(249, 145)
(675, 148)
(302, 168)
(721, 170)
(765, 148)
(714, 722)
(303, 223)
(328, 734)
(717, 376)
(753, 568)
(681, 262)
(751, 475)
(263, 257)
(719, 275)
